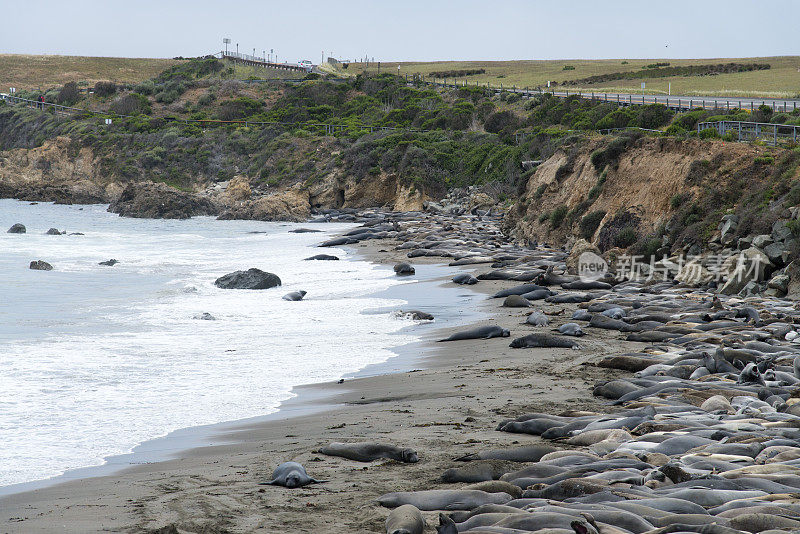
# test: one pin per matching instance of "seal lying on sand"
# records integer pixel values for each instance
(527, 453)
(405, 519)
(367, 452)
(443, 499)
(542, 340)
(325, 257)
(481, 332)
(465, 279)
(291, 475)
(537, 318)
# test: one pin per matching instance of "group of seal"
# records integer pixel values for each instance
(702, 435)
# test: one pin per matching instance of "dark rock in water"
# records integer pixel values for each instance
(40, 265)
(404, 269)
(294, 295)
(326, 257)
(418, 315)
(303, 231)
(110, 262)
(17, 229)
(465, 279)
(250, 279)
(159, 201)
(54, 231)
(205, 316)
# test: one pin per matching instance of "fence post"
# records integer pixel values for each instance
(775, 135)
(740, 131)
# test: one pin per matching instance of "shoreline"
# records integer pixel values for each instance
(305, 399)
(445, 409)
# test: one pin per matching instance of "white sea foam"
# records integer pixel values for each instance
(95, 359)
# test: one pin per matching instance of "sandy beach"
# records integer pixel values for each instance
(444, 407)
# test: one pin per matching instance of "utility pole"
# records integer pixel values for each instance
(237, 48)
(226, 40)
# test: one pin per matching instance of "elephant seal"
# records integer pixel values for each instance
(571, 329)
(542, 340)
(294, 295)
(428, 500)
(17, 228)
(291, 475)
(417, 315)
(582, 315)
(109, 263)
(481, 332)
(516, 301)
(367, 452)
(568, 298)
(517, 290)
(404, 269)
(537, 318)
(583, 285)
(405, 519)
(525, 454)
(322, 257)
(465, 279)
(480, 471)
(614, 313)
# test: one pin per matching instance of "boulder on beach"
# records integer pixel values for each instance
(250, 279)
(404, 269)
(54, 231)
(109, 263)
(17, 229)
(40, 265)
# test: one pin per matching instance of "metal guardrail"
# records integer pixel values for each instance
(753, 131)
(262, 62)
(678, 103)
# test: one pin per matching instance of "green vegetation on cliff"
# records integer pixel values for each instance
(429, 139)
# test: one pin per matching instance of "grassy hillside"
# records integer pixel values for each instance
(35, 72)
(460, 137)
(782, 80)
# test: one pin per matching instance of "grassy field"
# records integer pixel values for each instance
(782, 80)
(42, 72)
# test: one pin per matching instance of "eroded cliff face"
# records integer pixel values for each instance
(58, 171)
(639, 186)
(62, 171)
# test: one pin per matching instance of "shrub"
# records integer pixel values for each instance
(610, 154)
(69, 94)
(626, 237)
(647, 247)
(653, 116)
(557, 216)
(130, 104)
(105, 88)
(763, 160)
(676, 201)
(590, 222)
(544, 216)
(568, 67)
(539, 191)
(709, 133)
(501, 121)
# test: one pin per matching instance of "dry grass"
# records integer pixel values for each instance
(781, 81)
(34, 72)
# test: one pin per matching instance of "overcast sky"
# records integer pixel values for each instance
(404, 29)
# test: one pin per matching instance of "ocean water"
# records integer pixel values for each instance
(95, 360)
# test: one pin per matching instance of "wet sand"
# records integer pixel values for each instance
(447, 407)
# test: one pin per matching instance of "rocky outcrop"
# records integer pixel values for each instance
(159, 201)
(40, 265)
(17, 228)
(59, 171)
(250, 279)
(291, 205)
